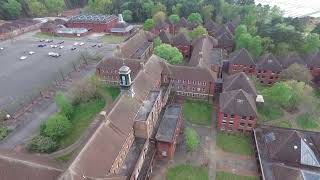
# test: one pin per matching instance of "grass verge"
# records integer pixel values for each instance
(234, 143)
(110, 39)
(112, 91)
(307, 122)
(229, 176)
(65, 158)
(197, 112)
(268, 113)
(187, 172)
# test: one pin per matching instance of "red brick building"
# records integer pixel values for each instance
(241, 61)
(160, 26)
(239, 81)
(237, 111)
(168, 132)
(290, 59)
(268, 69)
(183, 43)
(95, 23)
(165, 37)
(212, 27)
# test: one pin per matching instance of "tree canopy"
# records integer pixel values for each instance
(174, 18)
(57, 126)
(296, 72)
(245, 40)
(12, 8)
(195, 17)
(36, 8)
(148, 24)
(159, 16)
(169, 53)
(55, 6)
(198, 31)
(100, 6)
(127, 15)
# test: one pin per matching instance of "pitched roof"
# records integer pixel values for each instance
(241, 56)
(202, 50)
(238, 102)
(314, 60)
(183, 22)
(181, 39)
(161, 25)
(269, 62)
(19, 166)
(292, 58)
(191, 73)
(165, 37)
(239, 81)
(98, 155)
(212, 26)
(225, 30)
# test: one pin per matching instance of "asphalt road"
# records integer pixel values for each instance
(22, 79)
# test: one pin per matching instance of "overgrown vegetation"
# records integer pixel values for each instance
(268, 112)
(307, 122)
(187, 172)
(234, 143)
(169, 53)
(230, 176)
(73, 118)
(282, 123)
(197, 112)
(192, 139)
(4, 131)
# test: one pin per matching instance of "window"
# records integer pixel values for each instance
(249, 125)
(179, 80)
(204, 83)
(193, 89)
(225, 115)
(264, 71)
(232, 116)
(271, 77)
(178, 87)
(164, 153)
(189, 82)
(184, 81)
(251, 118)
(194, 82)
(231, 123)
(199, 83)
(259, 71)
(242, 124)
(244, 117)
(258, 76)
(269, 82)
(204, 89)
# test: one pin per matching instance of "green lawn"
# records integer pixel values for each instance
(110, 39)
(240, 144)
(82, 117)
(229, 176)
(187, 172)
(268, 112)
(41, 35)
(282, 123)
(112, 91)
(197, 112)
(307, 123)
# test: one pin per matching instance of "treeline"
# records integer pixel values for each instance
(14, 9)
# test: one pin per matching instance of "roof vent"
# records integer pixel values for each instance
(260, 99)
(295, 147)
(305, 140)
(311, 144)
(269, 60)
(120, 18)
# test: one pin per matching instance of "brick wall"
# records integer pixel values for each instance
(235, 68)
(267, 77)
(235, 123)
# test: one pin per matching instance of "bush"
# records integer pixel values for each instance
(57, 126)
(64, 105)
(4, 132)
(85, 90)
(192, 139)
(42, 144)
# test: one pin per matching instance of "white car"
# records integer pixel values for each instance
(61, 47)
(31, 52)
(53, 54)
(53, 46)
(81, 44)
(23, 57)
(1, 48)
(76, 44)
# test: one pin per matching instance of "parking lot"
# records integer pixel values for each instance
(20, 80)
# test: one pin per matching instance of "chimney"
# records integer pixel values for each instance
(120, 18)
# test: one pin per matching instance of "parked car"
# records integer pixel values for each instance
(41, 40)
(61, 47)
(53, 54)
(31, 52)
(94, 45)
(53, 46)
(81, 44)
(61, 42)
(42, 45)
(23, 57)
(75, 44)
(73, 48)
(49, 40)
(1, 48)
(99, 45)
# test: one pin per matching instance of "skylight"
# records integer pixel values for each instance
(307, 155)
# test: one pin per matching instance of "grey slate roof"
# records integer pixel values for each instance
(181, 39)
(292, 58)
(238, 102)
(92, 18)
(165, 37)
(269, 62)
(168, 124)
(212, 26)
(239, 81)
(241, 56)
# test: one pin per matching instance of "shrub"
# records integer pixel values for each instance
(192, 139)
(42, 144)
(4, 132)
(57, 126)
(42, 128)
(64, 105)
(85, 90)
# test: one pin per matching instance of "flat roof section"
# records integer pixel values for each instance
(147, 106)
(168, 124)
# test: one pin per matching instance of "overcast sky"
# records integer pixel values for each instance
(295, 8)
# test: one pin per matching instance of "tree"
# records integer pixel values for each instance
(280, 94)
(245, 40)
(57, 126)
(85, 90)
(42, 144)
(281, 49)
(55, 6)
(12, 8)
(312, 43)
(148, 24)
(159, 16)
(169, 53)
(207, 12)
(157, 41)
(296, 72)
(127, 15)
(316, 29)
(174, 18)
(64, 105)
(192, 139)
(198, 31)
(100, 6)
(37, 8)
(158, 7)
(195, 17)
